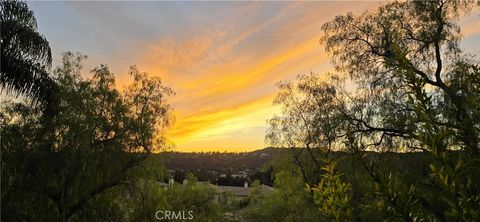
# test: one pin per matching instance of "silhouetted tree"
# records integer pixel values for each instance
(97, 138)
(408, 87)
(25, 53)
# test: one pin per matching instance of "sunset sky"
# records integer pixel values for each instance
(223, 59)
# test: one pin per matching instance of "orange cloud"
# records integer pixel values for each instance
(470, 23)
(206, 123)
(227, 116)
(225, 77)
(225, 91)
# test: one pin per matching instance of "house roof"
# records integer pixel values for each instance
(237, 191)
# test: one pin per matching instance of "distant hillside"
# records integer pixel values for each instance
(217, 161)
(235, 168)
(231, 169)
(225, 162)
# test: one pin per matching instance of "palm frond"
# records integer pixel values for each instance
(22, 77)
(23, 41)
(25, 54)
(17, 11)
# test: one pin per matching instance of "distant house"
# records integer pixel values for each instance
(243, 173)
(265, 155)
(239, 175)
(164, 185)
(212, 172)
(227, 195)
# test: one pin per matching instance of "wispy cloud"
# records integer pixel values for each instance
(222, 58)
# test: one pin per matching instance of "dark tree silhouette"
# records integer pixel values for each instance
(25, 53)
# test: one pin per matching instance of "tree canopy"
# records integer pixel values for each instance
(402, 84)
(97, 137)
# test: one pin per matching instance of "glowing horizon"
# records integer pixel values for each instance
(223, 59)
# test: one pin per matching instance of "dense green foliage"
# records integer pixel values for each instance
(332, 195)
(290, 202)
(141, 201)
(63, 161)
(403, 85)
